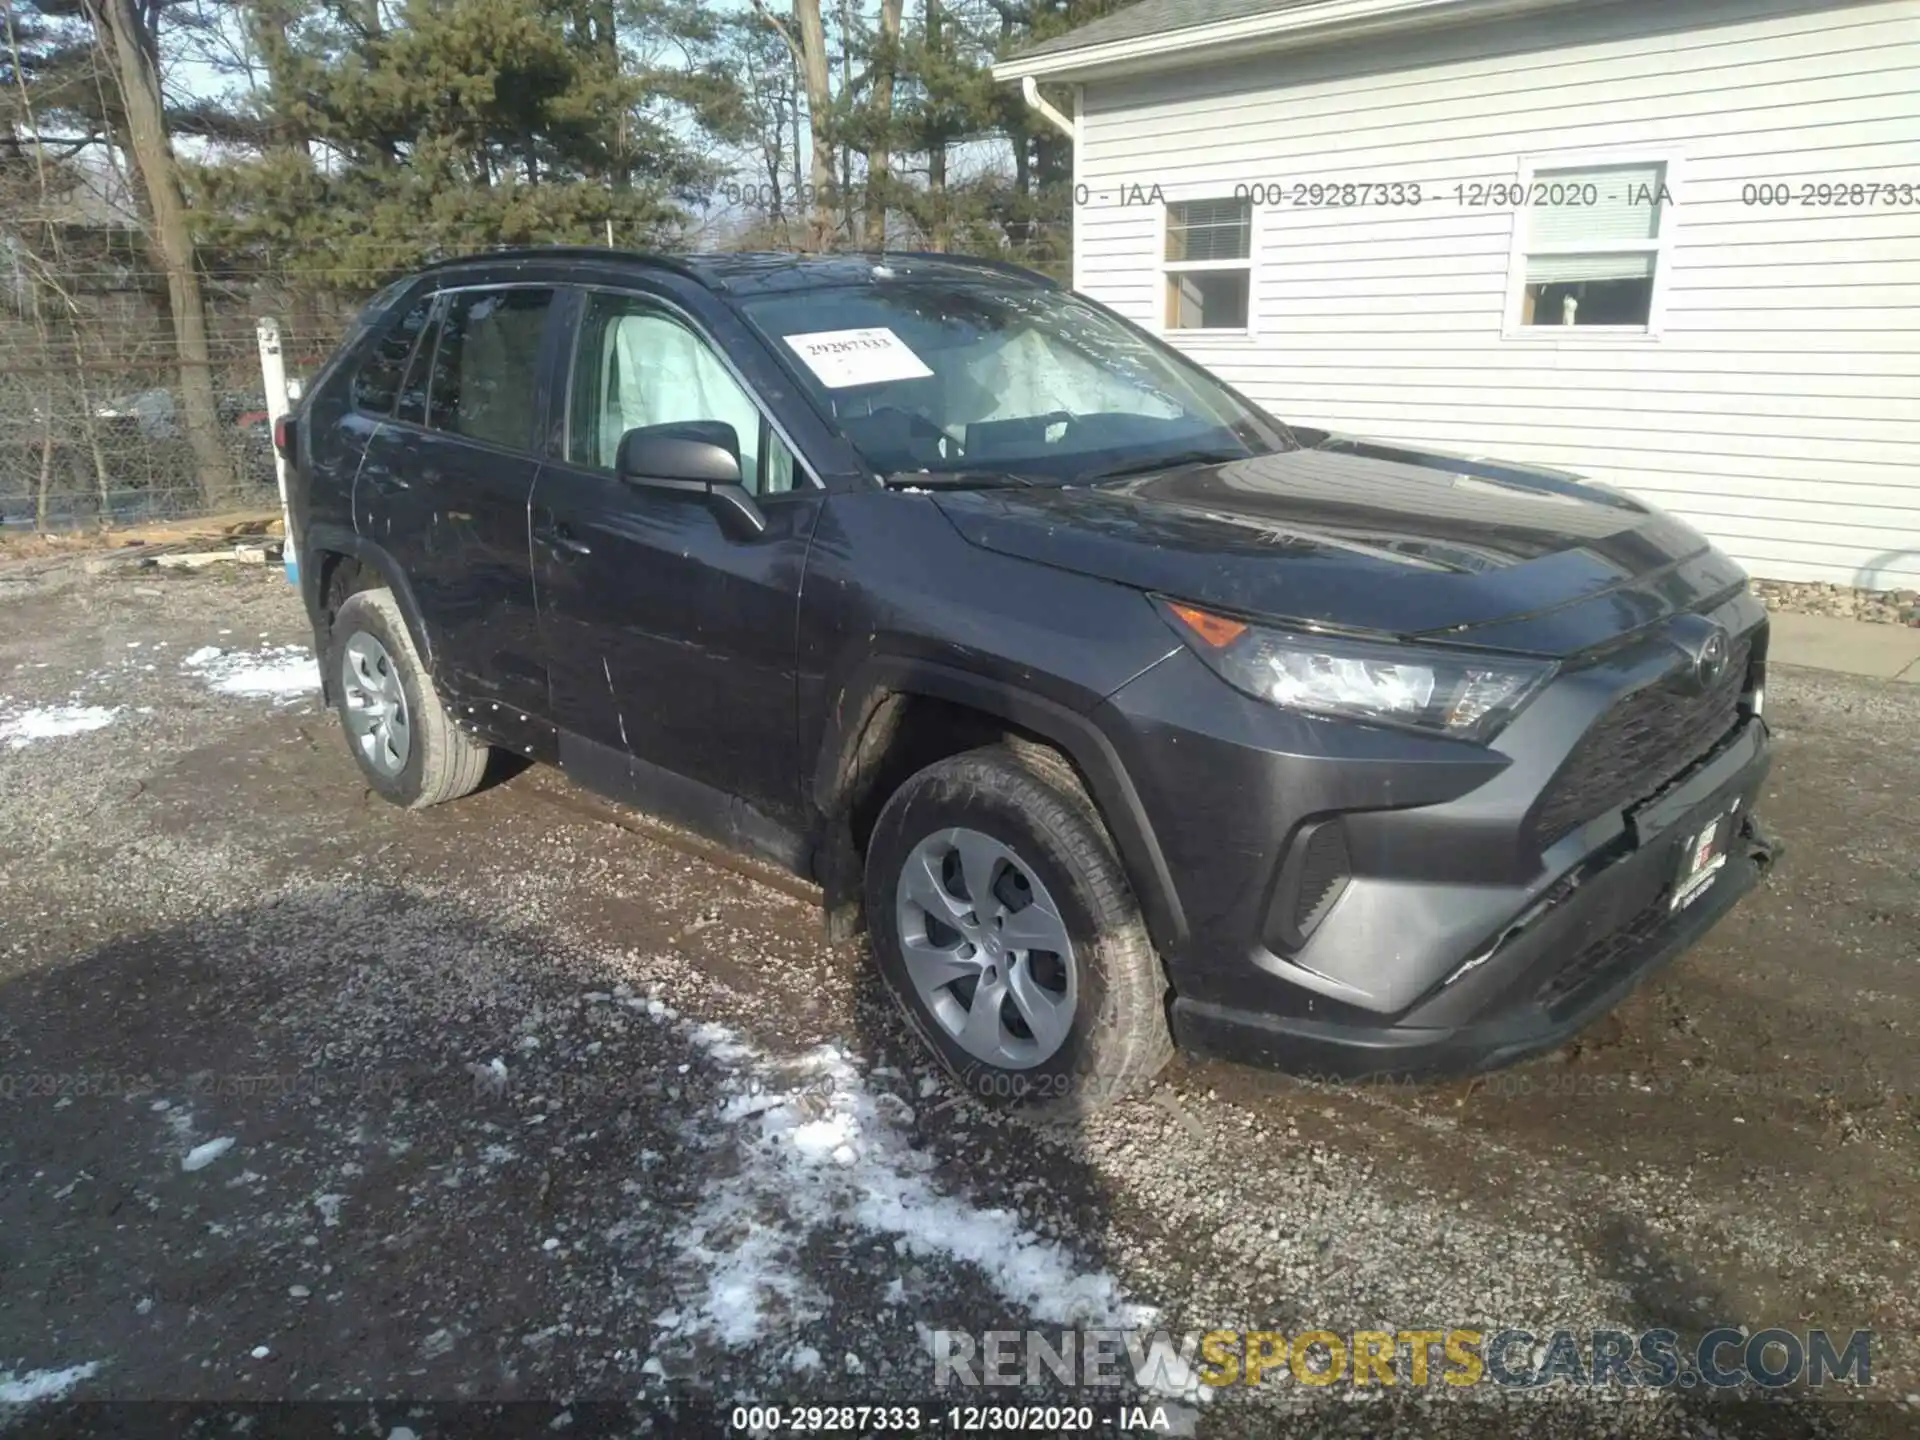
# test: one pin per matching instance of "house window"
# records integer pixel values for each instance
(1208, 264)
(1592, 241)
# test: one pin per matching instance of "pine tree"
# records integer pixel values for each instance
(464, 125)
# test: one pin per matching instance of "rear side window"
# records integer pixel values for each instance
(486, 363)
(377, 382)
(413, 390)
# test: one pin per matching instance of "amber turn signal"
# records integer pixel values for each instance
(1215, 630)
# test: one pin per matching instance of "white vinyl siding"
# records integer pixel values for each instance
(1774, 402)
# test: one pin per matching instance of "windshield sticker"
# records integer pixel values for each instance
(858, 357)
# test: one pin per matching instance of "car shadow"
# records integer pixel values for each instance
(1666, 1291)
(359, 1140)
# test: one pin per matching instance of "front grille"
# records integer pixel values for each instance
(1638, 746)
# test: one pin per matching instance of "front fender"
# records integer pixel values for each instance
(880, 677)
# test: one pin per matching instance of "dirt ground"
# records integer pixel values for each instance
(524, 1101)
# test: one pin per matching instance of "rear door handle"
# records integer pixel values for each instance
(559, 539)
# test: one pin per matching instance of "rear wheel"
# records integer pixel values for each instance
(1004, 926)
(402, 737)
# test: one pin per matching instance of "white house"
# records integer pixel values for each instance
(1675, 247)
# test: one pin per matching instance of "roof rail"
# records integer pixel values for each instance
(569, 252)
(692, 271)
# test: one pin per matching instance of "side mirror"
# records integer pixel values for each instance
(693, 457)
(686, 453)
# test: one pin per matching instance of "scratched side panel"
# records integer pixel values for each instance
(669, 639)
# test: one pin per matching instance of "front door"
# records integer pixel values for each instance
(667, 639)
(445, 490)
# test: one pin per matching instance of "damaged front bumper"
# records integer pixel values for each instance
(1564, 962)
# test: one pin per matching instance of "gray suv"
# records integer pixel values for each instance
(1117, 710)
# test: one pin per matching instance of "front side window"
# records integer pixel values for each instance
(1209, 264)
(377, 381)
(1592, 246)
(485, 364)
(636, 365)
(943, 376)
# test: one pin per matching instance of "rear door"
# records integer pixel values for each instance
(667, 637)
(446, 486)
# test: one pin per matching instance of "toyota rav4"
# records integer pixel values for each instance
(1117, 711)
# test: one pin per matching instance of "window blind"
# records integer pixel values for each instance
(1620, 210)
(1209, 230)
(1565, 269)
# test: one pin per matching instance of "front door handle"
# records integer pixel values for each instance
(557, 537)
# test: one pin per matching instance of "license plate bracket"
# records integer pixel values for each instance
(1704, 849)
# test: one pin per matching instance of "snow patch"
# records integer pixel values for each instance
(202, 1156)
(38, 1385)
(282, 673)
(819, 1148)
(52, 722)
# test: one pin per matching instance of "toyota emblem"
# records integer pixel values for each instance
(1707, 649)
(1710, 664)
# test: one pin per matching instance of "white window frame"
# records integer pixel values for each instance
(1163, 267)
(1661, 248)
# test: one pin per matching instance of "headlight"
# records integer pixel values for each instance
(1449, 692)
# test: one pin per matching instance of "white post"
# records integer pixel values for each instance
(273, 377)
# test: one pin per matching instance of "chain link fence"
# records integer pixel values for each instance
(95, 426)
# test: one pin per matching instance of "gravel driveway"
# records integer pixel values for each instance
(525, 1099)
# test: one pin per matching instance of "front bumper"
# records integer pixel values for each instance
(1599, 976)
(1457, 944)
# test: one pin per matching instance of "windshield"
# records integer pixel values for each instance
(929, 378)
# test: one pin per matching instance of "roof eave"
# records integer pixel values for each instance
(1295, 28)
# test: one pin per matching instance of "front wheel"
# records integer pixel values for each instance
(1004, 926)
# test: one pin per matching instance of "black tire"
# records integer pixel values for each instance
(1028, 798)
(443, 761)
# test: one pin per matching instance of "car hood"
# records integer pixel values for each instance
(1357, 535)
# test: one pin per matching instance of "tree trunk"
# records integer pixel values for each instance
(936, 148)
(46, 466)
(799, 191)
(102, 480)
(771, 157)
(850, 215)
(817, 76)
(879, 153)
(122, 35)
